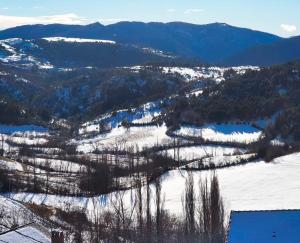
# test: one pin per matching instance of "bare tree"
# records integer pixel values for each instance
(211, 212)
(189, 207)
(159, 203)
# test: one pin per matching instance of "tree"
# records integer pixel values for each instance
(211, 212)
(189, 207)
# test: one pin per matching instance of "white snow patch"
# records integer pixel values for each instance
(79, 40)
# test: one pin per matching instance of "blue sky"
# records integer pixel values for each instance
(280, 17)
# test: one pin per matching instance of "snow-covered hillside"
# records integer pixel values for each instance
(214, 73)
(143, 114)
(79, 40)
(199, 73)
(21, 53)
(14, 213)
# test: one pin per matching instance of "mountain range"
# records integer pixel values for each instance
(216, 43)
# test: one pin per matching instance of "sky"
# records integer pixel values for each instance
(280, 17)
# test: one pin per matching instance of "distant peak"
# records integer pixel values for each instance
(96, 24)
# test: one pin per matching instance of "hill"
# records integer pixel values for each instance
(211, 42)
(276, 53)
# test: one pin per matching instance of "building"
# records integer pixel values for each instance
(278, 226)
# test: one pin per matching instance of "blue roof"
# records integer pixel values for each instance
(282, 226)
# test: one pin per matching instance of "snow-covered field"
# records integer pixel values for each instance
(13, 136)
(253, 186)
(222, 133)
(199, 152)
(219, 161)
(58, 165)
(28, 138)
(124, 138)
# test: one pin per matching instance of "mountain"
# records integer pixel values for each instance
(210, 43)
(75, 52)
(276, 53)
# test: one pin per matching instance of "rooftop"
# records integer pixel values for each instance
(280, 226)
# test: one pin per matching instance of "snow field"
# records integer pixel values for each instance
(237, 133)
(124, 138)
(253, 186)
(199, 152)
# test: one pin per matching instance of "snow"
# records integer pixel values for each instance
(28, 138)
(14, 213)
(124, 138)
(157, 52)
(10, 165)
(253, 186)
(195, 92)
(240, 133)
(278, 141)
(46, 65)
(22, 80)
(214, 73)
(18, 56)
(27, 234)
(13, 136)
(61, 202)
(198, 152)
(58, 165)
(79, 40)
(199, 73)
(2, 73)
(219, 161)
(142, 114)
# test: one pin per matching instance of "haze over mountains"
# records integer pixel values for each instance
(216, 43)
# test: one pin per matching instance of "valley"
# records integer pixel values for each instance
(106, 137)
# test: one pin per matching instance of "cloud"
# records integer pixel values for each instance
(289, 28)
(193, 11)
(12, 21)
(171, 10)
(5, 8)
